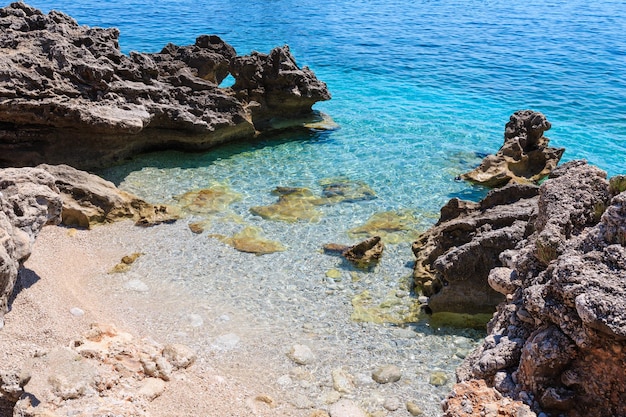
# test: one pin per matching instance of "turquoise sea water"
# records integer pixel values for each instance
(420, 90)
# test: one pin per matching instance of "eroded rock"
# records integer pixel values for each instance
(524, 157)
(559, 343)
(29, 199)
(455, 256)
(89, 200)
(70, 96)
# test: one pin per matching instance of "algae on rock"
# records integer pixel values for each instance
(250, 240)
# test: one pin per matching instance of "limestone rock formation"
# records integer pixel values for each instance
(105, 372)
(559, 343)
(475, 398)
(89, 200)
(69, 95)
(524, 157)
(29, 200)
(454, 257)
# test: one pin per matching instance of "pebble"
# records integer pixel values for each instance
(152, 388)
(195, 320)
(413, 409)
(334, 274)
(387, 373)
(342, 381)
(284, 381)
(438, 378)
(227, 341)
(180, 356)
(136, 285)
(77, 312)
(422, 299)
(330, 397)
(346, 408)
(301, 354)
(392, 404)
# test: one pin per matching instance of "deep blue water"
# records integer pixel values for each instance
(419, 87)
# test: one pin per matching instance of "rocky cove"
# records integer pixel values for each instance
(553, 255)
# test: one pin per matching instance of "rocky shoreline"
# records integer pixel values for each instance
(550, 258)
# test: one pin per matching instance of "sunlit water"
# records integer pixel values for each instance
(420, 89)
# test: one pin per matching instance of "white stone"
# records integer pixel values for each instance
(77, 312)
(346, 408)
(301, 354)
(195, 320)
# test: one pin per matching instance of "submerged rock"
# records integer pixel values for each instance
(29, 199)
(70, 96)
(524, 157)
(250, 240)
(211, 200)
(340, 190)
(391, 226)
(365, 254)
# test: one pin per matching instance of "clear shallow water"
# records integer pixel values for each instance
(420, 88)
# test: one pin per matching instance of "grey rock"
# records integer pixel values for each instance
(386, 374)
(71, 96)
(346, 408)
(29, 200)
(301, 354)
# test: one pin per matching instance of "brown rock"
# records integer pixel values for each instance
(475, 398)
(455, 256)
(365, 254)
(89, 200)
(524, 157)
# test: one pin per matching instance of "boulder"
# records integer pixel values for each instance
(365, 254)
(29, 200)
(524, 157)
(454, 257)
(89, 200)
(70, 96)
(559, 342)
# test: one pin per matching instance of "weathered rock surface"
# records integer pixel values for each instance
(475, 398)
(559, 343)
(89, 200)
(29, 200)
(365, 254)
(69, 95)
(524, 157)
(455, 256)
(105, 372)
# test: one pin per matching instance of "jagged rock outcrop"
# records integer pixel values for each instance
(69, 96)
(559, 342)
(524, 157)
(474, 398)
(454, 257)
(29, 200)
(89, 200)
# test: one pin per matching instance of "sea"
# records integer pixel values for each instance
(421, 91)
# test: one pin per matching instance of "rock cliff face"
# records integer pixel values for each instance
(524, 157)
(454, 257)
(559, 342)
(28, 201)
(68, 94)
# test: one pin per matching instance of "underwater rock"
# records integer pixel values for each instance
(29, 200)
(211, 200)
(365, 254)
(294, 204)
(89, 200)
(391, 226)
(524, 157)
(454, 257)
(344, 190)
(70, 96)
(250, 240)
